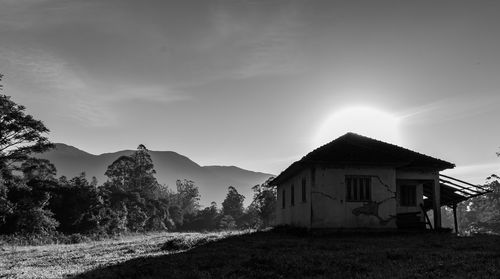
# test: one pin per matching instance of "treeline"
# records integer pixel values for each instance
(34, 201)
(131, 200)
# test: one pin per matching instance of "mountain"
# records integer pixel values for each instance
(212, 181)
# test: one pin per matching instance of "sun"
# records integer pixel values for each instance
(366, 121)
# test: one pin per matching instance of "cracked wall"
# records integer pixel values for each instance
(330, 209)
(342, 214)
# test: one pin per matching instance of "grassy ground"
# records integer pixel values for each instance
(263, 254)
(62, 261)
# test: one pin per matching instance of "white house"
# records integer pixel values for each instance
(359, 182)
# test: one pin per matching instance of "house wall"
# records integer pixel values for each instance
(327, 191)
(298, 214)
(330, 208)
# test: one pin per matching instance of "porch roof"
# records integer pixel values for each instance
(453, 191)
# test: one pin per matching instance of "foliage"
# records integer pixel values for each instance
(227, 222)
(185, 203)
(264, 202)
(189, 241)
(133, 193)
(20, 134)
(35, 220)
(250, 219)
(206, 219)
(480, 214)
(233, 204)
(188, 196)
(29, 197)
(77, 205)
(22, 198)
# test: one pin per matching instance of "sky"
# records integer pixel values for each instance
(259, 83)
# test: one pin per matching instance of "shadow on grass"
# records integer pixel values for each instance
(279, 254)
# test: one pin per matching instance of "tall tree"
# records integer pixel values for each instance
(133, 191)
(264, 201)
(22, 199)
(142, 176)
(188, 195)
(185, 203)
(233, 204)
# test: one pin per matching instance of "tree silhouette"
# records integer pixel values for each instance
(132, 192)
(23, 199)
(233, 204)
(20, 134)
(264, 201)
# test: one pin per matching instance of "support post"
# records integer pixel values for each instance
(436, 203)
(455, 217)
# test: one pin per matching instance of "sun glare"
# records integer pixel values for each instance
(365, 121)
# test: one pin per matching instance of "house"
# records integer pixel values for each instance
(359, 182)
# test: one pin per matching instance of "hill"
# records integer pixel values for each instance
(170, 166)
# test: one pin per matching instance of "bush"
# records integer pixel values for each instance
(78, 238)
(187, 242)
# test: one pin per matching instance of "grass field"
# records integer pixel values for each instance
(272, 254)
(63, 261)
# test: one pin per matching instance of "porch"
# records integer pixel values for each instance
(450, 191)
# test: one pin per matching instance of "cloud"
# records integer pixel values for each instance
(42, 76)
(451, 109)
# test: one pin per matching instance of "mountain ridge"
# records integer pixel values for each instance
(212, 180)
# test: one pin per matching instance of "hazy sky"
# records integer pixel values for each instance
(253, 83)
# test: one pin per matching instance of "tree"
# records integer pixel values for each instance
(132, 188)
(77, 205)
(481, 214)
(264, 201)
(208, 217)
(31, 197)
(20, 134)
(41, 169)
(233, 204)
(120, 171)
(250, 218)
(185, 203)
(202, 220)
(227, 223)
(142, 175)
(188, 195)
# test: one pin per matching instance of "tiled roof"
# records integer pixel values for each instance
(352, 150)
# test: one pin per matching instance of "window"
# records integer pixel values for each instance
(292, 198)
(358, 188)
(303, 190)
(283, 199)
(408, 195)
